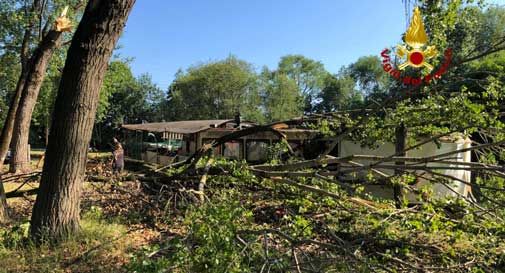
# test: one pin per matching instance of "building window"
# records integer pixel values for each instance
(257, 150)
(232, 150)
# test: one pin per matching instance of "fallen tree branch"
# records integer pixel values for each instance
(203, 180)
(14, 194)
(313, 189)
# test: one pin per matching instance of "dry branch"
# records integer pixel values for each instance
(203, 180)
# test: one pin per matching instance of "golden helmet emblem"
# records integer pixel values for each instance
(416, 52)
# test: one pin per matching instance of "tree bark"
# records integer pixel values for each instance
(46, 132)
(56, 210)
(37, 69)
(5, 137)
(4, 213)
(401, 139)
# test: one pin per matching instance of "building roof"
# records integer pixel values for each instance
(180, 127)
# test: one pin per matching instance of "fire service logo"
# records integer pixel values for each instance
(415, 53)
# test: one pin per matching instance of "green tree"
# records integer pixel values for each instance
(154, 106)
(464, 99)
(42, 35)
(31, 31)
(9, 74)
(339, 93)
(136, 100)
(125, 99)
(215, 90)
(369, 75)
(308, 74)
(118, 79)
(281, 97)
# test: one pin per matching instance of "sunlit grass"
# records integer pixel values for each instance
(37, 159)
(101, 246)
(10, 186)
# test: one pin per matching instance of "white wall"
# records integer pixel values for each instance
(347, 148)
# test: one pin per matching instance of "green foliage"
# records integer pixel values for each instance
(368, 73)
(118, 79)
(15, 236)
(231, 231)
(141, 262)
(215, 90)
(282, 98)
(300, 226)
(210, 245)
(17, 16)
(276, 151)
(19, 21)
(307, 74)
(9, 73)
(127, 99)
(219, 89)
(339, 93)
(468, 98)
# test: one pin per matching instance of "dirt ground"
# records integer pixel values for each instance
(114, 204)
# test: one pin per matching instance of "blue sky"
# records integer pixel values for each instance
(163, 36)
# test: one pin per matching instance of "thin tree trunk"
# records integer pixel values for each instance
(56, 210)
(34, 79)
(4, 213)
(401, 139)
(5, 137)
(46, 132)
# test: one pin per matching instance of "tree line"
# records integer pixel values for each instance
(214, 90)
(220, 89)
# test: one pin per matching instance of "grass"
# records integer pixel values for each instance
(97, 155)
(101, 246)
(36, 158)
(37, 152)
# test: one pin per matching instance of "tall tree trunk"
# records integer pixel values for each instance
(34, 79)
(56, 210)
